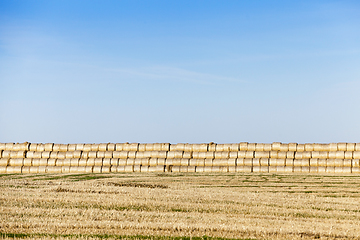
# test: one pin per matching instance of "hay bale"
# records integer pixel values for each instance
(36, 162)
(59, 162)
(290, 154)
(129, 168)
(161, 161)
(100, 154)
(95, 147)
(315, 154)
(21, 146)
(53, 169)
(175, 154)
(105, 169)
(240, 162)
(17, 154)
(231, 162)
(131, 154)
(267, 147)
(2, 146)
(313, 169)
(332, 155)
(144, 168)
(45, 154)
(87, 147)
(330, 162)
(98, 161)
(305, 169)
(272, 169)
(273, 162)
(309, 147)
(339, 162)
(192, 162)
(322, 162)
(243, 146)
(27, 162)
(256, 169)
(184, 161)
(232, 169)
(33, 169)
(145, 161)
(202, 147)
(274, 154)
(56, 147)
(120, 168)
(84, 154)
(299, 155)
(275, 146)
(320, 147)
(347, 170)
(330, 170)
(108, 154)
(25, 169)
(130, 161)
(113, 168)
(69, 154)
(97, 169)
(6, 154)
(43, 162)
(262, 154)
(158, 168)
(110, 147)
(248, 162)
(153, 162)
(220, 155)
(103, 147)
(120, 154)
(80, 147)
(177, 147)
(13, 169)
(242, 154)
(137, 161)
(133, 147)
(284, 147)
(259, 147)
(92, 154)
(282, 162)
(356, 155)
(340, 154)
(16, 162)
(114, 161)
(122, 162)
(60, 155)
(71, 147)
(280, 169)
(9, 146)
(66, 162)
(348, 155)
(251, 147)
(247, 169)
(264, 161)
(83, 162)
(256, 162)
(306, 154)
(321, 169)
(282, 155)
(90, 162)
(341, 146)
(350, 147)
(107, 162)
(333, 147)
(264, 169)
(297, 169)
(234, 147)
(289, 162)
(63, 148)
(249, 154)
(300, 148)
(188, 147)
(218, 162)
(297, 162)
(357, 147)
(347, 163)
(313, 162)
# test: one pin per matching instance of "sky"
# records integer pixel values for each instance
(179, 71)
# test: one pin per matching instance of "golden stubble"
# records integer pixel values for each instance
(262, 206)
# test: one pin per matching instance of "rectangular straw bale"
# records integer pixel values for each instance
(56, 147)
(223, 147)
(137, 161)
(299, 155)
(231, 162)
(177, 147)
(76, 154)
(347, 170)
(111, 147)
(200, 162)
(113, 161)
(63, 147)
(290, 154)
(66, 162)
(42, 169)
(79, 147)
(240, 162)
(297, 169)
(297, 162)
(120, 168)
(313, 169)
(306, 154)
(249, 154)
(355, 163)
(256, 162)
(305, 169)
(13, 169)
(71, 147)
(300, 148)
(273, 162)
(37, 154)
(183, 169)
(321, 169)
(184, 161)
(313, 162)
(45, 154)
(348, 155)
(113, 168)
(232, 169)
(54, 169)
(320, 147)
(153, 162)
(242, 154)
(315, 154)
(158, 168)
(43, 162)
(175, 169)
(21, 146)
(119, 146)
(245, 169)
(188, 147)
(33, 169)
(256, 169)
(175, 154)
(333, 147)
(69, 154)
(120, 154)
(275, 146)
(243, 146)
(131, 154)
(107, 162)
(165, 147)
(144, 168)
(105, 169)
(357, 147)
(83, 162)
(220, 155)
(192, 162)
(97, 169)
(212, 169)
(103, 147)
(59, 162)
(262, 154)
(17, 154)
(324, 155)
(322, 162)
(84, 154)
(212, 147)
(25, 169)
(264, 169)
(149, 146)
(33, 147)
(251, 147)
(233, 155)
(87, 147)
(293, 147)
(350, 147)
(259, 147)
(108, 154)
(187, 155)
(356, 155)
(264, 161)
(208, 162)
(36, 162)
(347, 163)
(282, 155)
(202, 147)
(145, 161)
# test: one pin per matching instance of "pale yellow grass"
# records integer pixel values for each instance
(261, 206)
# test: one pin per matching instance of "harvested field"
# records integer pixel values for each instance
(178, 205)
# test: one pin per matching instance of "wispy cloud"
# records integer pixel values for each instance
(173, 74)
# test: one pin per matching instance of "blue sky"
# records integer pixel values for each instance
(179, 71)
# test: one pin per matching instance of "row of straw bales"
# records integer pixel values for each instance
(310, 162)
(185, 147)
(181, 154)
(163, 168)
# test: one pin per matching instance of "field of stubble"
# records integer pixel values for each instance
(179, 206)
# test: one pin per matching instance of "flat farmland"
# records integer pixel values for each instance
(179, 206)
